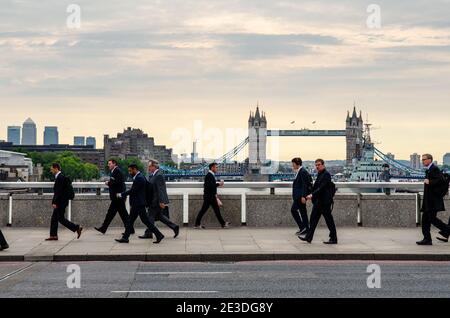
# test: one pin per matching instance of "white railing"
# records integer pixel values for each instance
(237, 188)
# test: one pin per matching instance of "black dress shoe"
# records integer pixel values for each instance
(304, 239)
(330, 242)
(4, 247)
(146, 236)
(79, 231)
(442, 239)
(100, 230)
(425, 242)
(158, 239)
(176, 231)
(122, 240)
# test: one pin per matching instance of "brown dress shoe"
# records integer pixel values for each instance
(52, 238)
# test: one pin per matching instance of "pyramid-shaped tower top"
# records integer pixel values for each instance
(29, 121)
(257, 114)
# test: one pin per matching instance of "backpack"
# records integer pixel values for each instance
(70, 191)
(333, 189)
(442, 189)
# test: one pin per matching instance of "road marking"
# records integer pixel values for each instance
(165, 291)
(183, 273)
(16, 272)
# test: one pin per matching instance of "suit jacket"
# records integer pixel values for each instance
(116, 183)
(301, 187)
(137, 191)
(432, 201)
(60, 191)
(210, 187)
(321, 189)
(159, 190)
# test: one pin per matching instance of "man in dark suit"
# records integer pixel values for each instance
(60, 202)
(322, 199)
(433, 202)
(210, 197)
(301, 188)
(138, 203)
(116, 184)
(159, 201)
(3, 244)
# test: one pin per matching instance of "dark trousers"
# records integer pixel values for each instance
(206, 204)
(162, 215)
(2, 239)
(430, 218)
(117, 205)
(59, 217)
(300, 215)
(316, 213)
(142, 213)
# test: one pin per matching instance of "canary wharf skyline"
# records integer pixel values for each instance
(162, 66)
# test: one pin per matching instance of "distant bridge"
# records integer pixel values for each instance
(306, 133)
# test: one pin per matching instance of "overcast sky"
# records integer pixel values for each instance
(162, 65)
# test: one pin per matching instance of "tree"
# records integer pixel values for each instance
(71, 165)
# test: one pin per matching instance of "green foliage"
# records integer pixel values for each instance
(71, 165)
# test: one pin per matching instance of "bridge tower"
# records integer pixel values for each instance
(257, 133)
(354, 135)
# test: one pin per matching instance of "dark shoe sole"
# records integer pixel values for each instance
(177, 232)
(442, 239)
(79, 231)
(120, 241)
(158, 240)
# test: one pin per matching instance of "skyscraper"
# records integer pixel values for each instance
(90, 141)
(51, 135)
(414, 161)
(79, 141)
(14, 134)
(29, 132)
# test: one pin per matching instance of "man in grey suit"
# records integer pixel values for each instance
(158, 205)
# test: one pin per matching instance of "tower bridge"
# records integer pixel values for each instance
(257, 146)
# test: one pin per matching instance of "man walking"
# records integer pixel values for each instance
(210, 197)
(301, 188)
(116, 184)
(62, 194)
(322, 199)
(3, 244)
(433, 202)
(159, 201)
(137, 195)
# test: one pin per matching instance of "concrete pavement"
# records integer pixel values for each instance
(230, 245)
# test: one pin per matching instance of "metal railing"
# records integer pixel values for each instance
(239, 188)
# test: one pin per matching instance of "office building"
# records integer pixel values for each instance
(29, 132)
(79, 141)
(14, 134)
(135, 143)
(90, 141)
(51, 135)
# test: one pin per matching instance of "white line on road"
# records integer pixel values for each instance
(183, 273)
(165, 291)
(16, 272)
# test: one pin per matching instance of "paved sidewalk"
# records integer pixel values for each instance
(234, 244)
